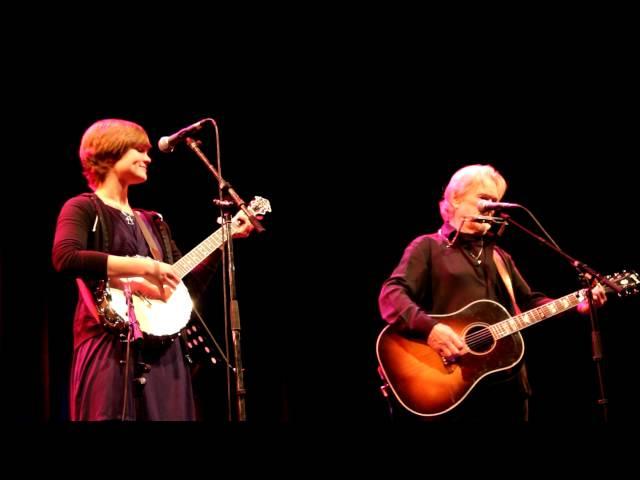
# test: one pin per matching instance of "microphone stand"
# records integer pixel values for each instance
(586, 274)
(226, 188)
(133, 335)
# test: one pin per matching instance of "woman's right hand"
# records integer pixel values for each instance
(163, 281)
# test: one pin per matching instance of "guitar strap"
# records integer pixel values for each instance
(524, 377)
(151, 241)
(502, 270)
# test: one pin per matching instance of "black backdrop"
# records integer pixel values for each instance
(353, 165)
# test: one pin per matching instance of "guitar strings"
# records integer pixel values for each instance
(541, 312)
(486, 333)
(479, 337)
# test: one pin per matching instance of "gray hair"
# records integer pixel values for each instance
(463, 180)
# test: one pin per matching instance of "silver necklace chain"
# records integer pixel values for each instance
(129, 218)
(477, 257)
(450, 244)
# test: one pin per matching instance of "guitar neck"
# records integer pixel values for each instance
(531, 317)
(257, 206)
(199, 253)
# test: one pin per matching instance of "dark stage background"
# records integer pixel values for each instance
(354, 169)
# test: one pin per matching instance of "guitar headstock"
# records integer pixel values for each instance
(259, 206)
(629, 282)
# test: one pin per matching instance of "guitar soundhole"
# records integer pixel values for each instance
(479, 339)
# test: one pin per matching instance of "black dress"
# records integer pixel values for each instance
(98, 367)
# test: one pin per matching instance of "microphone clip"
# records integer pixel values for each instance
(487, 219)
(223, 203)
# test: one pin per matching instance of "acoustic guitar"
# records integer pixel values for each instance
(429, 385)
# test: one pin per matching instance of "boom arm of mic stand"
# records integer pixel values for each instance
(234, 315)
(596, 344)
(224, 185)
(580, 266)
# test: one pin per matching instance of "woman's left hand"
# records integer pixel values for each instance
(242, 226)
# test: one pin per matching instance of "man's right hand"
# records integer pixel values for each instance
(446, 342)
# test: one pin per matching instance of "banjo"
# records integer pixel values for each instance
(159, 317)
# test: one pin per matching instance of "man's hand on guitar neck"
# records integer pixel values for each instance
(599, 299)
(446, 342)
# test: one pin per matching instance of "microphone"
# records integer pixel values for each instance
(487, 205)
(167, 144)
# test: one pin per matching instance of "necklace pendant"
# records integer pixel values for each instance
(128, 218)
(479, 262)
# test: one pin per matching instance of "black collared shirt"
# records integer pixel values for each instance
(439, 277)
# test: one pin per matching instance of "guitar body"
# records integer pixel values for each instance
(428, 385)
(156, 317)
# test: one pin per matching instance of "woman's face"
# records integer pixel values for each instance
(131, 169)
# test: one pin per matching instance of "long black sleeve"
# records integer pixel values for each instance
(70, 254)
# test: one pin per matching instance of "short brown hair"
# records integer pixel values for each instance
(105, 142)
